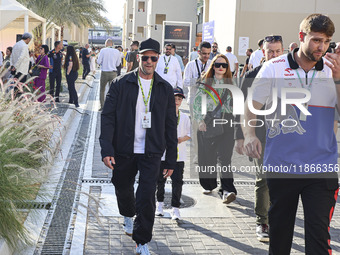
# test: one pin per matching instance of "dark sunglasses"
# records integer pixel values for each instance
(271, 38)
(153, 58)
(224, 65)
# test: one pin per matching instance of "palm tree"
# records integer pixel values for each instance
(67, 12)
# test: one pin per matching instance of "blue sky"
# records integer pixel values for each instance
(115, 10)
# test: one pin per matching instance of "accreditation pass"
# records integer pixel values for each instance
(146, 120)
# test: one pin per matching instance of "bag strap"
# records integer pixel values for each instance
(224, 97)
(219, 106)
(38, 62)
(198, 70)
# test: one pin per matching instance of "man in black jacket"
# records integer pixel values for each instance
(138, 122)
(273, 47)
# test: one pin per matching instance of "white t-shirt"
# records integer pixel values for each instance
(183, 129)
(174, 73)
(232, 60)
(140, 132)
(255, 58)
(108, 59)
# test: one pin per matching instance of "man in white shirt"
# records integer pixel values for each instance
(109, 59)
(193, 71)
(311, 142)
(256, 56)
(195, 68)
(232, 61)
(169, 69)
(20, 57)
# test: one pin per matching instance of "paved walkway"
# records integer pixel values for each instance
(207, 226)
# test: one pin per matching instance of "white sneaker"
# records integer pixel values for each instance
(228, 197)
(206, 191)
(128, 225)
(159, 209)
(142, 249)
(262, 232)
(175, 215)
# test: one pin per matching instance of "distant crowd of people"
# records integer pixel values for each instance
(21, 64)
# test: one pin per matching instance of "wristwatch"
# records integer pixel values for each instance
(337, 82)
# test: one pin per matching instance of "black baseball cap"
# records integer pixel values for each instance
(178, 92)
(149, 44)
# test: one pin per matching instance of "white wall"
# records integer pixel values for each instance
(258, 18)
(127, 26)
(224, 14)
(140, 20)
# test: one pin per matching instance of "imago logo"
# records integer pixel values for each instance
(288, 72)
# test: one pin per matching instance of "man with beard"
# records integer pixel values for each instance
(301, 159)
(169, 69)
(214, 51)
(272, 48)
(138, 122)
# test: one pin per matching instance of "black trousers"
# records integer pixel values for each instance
(55, 77)
(212, 150)
(71, 79)
(144, 205)
(119, 70)
(86, 69)
(20, 76)
(318, 197)
(177, 184)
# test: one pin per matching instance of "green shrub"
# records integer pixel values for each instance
(26, 128)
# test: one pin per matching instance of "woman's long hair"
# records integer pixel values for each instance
(71, 52)
(208, 77)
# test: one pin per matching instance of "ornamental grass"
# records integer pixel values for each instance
(26, 128)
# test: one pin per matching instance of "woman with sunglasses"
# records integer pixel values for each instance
(43, 64)
(215, 144)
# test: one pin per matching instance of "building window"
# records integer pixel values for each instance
(140, 30)
(131, 17)
(160, 18)
(141, 6)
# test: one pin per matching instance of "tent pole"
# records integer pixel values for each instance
(44, 33)
(26, 23)
(53, 38)
(59, 34)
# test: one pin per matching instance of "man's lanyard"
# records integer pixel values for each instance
(179, 117)
(309, 87)
(166, 62)
(198, 70)
(141, 88)
(303, 117)
(203, 67)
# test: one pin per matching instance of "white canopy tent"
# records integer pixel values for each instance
(15, 19)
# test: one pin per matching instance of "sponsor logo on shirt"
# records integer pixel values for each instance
(288, 72)
(278, 61)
